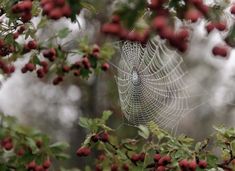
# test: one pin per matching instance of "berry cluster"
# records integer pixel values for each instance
(186, 165)
(178, 39)
(161, 162)
(23, 9)
(5, 49)
(115, 28)
(56, 9)
(33, 166)
(84, 65)
(222, 50)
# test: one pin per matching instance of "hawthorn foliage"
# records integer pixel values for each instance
(24, 148)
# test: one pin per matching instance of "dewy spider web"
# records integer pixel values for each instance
(151, 84)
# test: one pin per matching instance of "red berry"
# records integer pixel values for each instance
(101, 157)
(183, 34)
(39, 143)
(77, 73)
(183, 164)
(161, 168)
(21, 29)
(66, 10)
(115, 19)
(95, 138)
(104, 137)
(46, 164)
(210, 26)
(221, 26)
(32, 44)
(202, 164)
(192, 165)
(40, 73)
(98, 168)
(142, 157)
(164, 160)
(15, 35)
(111, 28)
(57, 80)
(31, 165)
(125, 167)
(30, 67)
(114, 167)
(59, 2)
(83, 152)
(232, 9)
(49, 53)
(55, 14)
(192, 15)
(39, 168)
(135, 157)
(26, 17)
(86, 63)
(159, 23)
(47, 8)
(105, 66)
(166, 33)
(66, 68)
(157, 157)
(8, 146)
(24, 70)
(20, 152)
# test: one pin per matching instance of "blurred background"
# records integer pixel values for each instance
(56, 109)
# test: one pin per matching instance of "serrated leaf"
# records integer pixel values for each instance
(85, 122)
(106, 114)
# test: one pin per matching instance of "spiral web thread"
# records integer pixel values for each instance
(152, 84)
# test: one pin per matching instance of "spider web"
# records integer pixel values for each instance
(152, 86)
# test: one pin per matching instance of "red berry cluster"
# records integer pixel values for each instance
(56, 9)
(19, 31)
(7, 143)
(7, 69)
(23, 9)
(186, 165)
(138, 157)
(88, 62)
(221, 26)
(33, 166)
(5, 49)
(161, 162)
(177, 39)
(221, 50)
(115, 28)
(103, 136)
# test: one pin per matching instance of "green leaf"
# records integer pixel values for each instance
(89, 6)
(143, 132)
(233, 147)
(85, 122)
(59, 146)
(63, 33)
(62, 156)
(106, 115)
